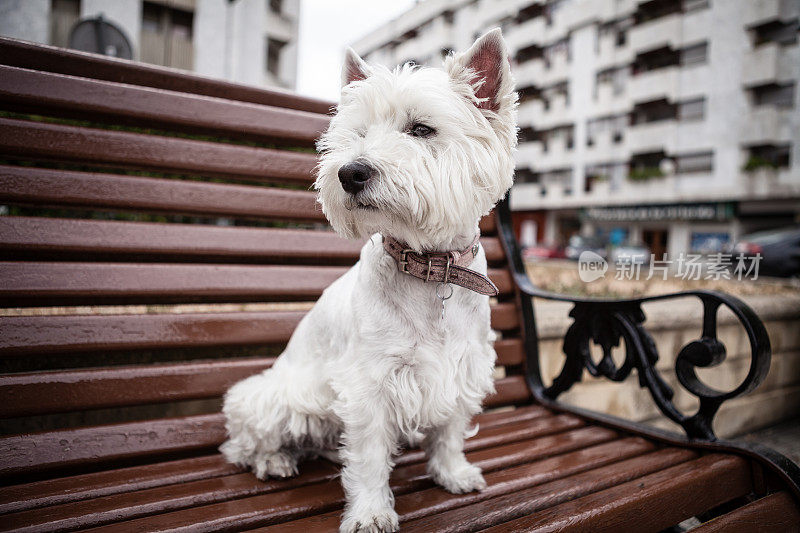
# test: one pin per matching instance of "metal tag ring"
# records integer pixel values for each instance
(439, 286)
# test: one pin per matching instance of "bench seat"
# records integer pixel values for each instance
(160, 242)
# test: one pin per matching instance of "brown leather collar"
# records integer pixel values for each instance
(441, 267)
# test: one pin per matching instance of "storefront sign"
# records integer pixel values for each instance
(716, 211)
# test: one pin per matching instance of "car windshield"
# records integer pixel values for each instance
(772, 236)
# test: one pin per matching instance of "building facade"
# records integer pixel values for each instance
(245, 41)
(669, 123)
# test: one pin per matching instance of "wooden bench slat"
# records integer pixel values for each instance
(144, 282)
(544, 468)
(776, 513)
(669, 496)
(40, 140)
(113, 191)
(90, 99)
(71, 447)
(323, 495)
(537, 498)
(33, 393)
(81, 333)
(85, 333)
(29, 282)
(94, 485)
(38, 234)
(72, 62)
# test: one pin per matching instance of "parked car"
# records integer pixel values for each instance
(543, 251)
(578, 244)
(630, 253)
(779, 249)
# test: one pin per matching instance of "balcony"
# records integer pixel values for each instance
(557, 114)
(529, 154)
(655, 84)
(530, 32)
(530, 113)
(652, 136)
(768, 63)
(767, 125)
(664, 31)
(529, 72)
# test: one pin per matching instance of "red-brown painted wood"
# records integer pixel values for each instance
(650, 503)
(106, 239)
(540, 497)
(48, 187)
(97, 100)
(307, 498)
(776, 513)
(72, 62)
(72, 447)
(54, 235)
(93, 485)
(593, 452)
(29, 282)
(88, 333)
(41, 140)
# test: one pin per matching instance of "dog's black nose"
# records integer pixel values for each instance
(354, 176)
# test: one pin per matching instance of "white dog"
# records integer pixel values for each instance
(415, 156)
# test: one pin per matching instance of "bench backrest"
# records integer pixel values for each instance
(160, 243)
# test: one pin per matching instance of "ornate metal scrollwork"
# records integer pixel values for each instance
(607, 322)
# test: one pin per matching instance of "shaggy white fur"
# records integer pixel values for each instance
(373, 365)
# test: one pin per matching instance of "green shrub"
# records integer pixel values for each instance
(644, 173)
(756, 161)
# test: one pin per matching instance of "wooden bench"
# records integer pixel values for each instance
(137, 196)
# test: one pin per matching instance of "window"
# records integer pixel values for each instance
(699, 162)
(694, 55)
(276, 6)
(774, 94)
(65, 13)
(274, 48)
(449, 16)
(528, 53)
(526, 175)
(784, 33)
(691, 109)
(529, 92)
(769, 155)
(167, 35)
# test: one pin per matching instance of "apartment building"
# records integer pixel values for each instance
(246, 41)
(671, 123)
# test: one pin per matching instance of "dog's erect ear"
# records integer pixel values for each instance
(355, 69)
(489, 70)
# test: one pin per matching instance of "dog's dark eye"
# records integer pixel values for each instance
(421, 130)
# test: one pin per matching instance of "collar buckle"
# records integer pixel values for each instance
(403, 262)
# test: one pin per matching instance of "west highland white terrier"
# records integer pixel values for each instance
(399, 349)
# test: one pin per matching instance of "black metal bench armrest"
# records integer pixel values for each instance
(607, 321)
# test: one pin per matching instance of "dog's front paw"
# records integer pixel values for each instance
(276, 465)
(461, 480)
(377, 521)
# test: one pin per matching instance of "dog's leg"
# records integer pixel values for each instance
(368, 446)
(447, 465)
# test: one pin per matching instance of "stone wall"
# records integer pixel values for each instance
(673, 324)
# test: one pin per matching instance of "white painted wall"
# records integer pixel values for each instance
(25, 19)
